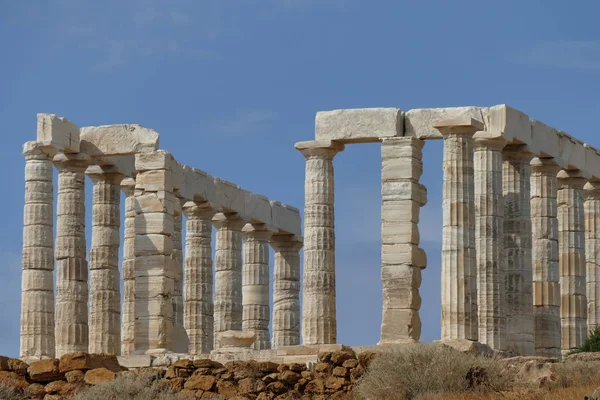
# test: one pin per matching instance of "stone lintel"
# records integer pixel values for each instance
(463, 124)
(419, 122)
(58, 132)
(77, 162)
(286, 218)
(360, 125)
(324, 148)
(159, 159)
(120, 139)
(512, 123)
(200, 208)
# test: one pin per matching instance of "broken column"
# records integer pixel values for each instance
(544, 227)
(37, 295)
(571, 245)
(105, 288)
(71, 262)
(402, 259)
(459, 264)
(517, 250)
(128, 270)
(592, 252)
(228, 274)
(286, 290)
(319, 324)
(198, 306)
(256, 312)
(154, 272)
(489, 234)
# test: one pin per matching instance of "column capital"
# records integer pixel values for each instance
(232, 221)
(104, 173)
(517, 152)
(405, 141)
(571, 179)
(199, 209)
(128, 186)
(489, 140)
(258, 231)
(326, 149)
(73, 162)
(463, 125)
(546, 166)
(37, 151)
(286, 242)
(592, 190)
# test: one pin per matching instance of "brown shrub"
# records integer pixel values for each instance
(138, 387)
(430, 369)
(9, 393)
(577, 373)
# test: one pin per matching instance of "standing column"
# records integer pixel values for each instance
(105, 292)
(489, 234)
(286, 290)
(128, 270)
(319, 324)
(255, 284)
(402, 259)
(546, 287)
(571, 251)
(592, 252)
(228, 274)
(72, 269)
(181, 341)
(459, 264)
(198, 306)
(37, 296)
(517, 250)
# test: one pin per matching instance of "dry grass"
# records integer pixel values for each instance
(9, 393)
(139, 387)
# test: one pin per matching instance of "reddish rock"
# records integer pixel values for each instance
(207, 363)
(267, 366)
(297, 367)
(220, 371)
(45, 370)
(190, 394)
(201, 382)
(289, 377)
(35, 391)
(211, 396)
(227, 389)
(334, 383)
(183, 364)
(177, 383)
(155, 373)
(52, 397)
(4, 364)
(270, 378)
(283, 367)
(202, 371)
(74, 376)
(250, 386)
(339, 357)
(352, 363)
(265, 396)
(276, 387)
(366, 358)
(54, 387)
(17, 366)
(356, 373)
(71, 389)
(340, 371)
(309, 375)
(99, 375)
(324, 356)
(322, 368)
(315, 387)
(75, 361)
(291, 395)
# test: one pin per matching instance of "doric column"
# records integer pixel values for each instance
(71, 263)
(198, 306)
(517, 250)
(546, 287)
(319, 324)
(228, 274)
(105, 292)
(180, 344)
(592, 252)
(459, 264)
(286, 290)
(402, 259)
(37, 296)
(128, 270)
(571, 252)
(489, 234)
(256, 312)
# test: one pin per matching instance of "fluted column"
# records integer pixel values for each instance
(198, 279)
(256, 312)
(489, 234)
(517, 250)
(546, 287)
(228, 274)
(402, 259)
(571, 245)
(592, 252)
(181, 341)
(71, 328)
(105, 292)
(319, 323)
(37, 296)
(459, 264)
(286, 290)
(128, 270)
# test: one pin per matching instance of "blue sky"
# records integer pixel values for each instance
(232, 85)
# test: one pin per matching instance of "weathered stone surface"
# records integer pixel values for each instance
(58, 132)
(359, 125)
(128, 270)
(468, 347)
(235, 339)
(200, 382)
(75, 376)
(592, 252)
(420, 123)
(99, 375)
(44, 370)
(109, 140)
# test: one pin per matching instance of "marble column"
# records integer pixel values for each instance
(402, 259)
(37, 295)
(286, 290)
(489, 234)
(128, 270)
(71, 328)
(256, 313)
(546, 287)
(459, 263)
(571, 252)
(517, 250)
(592, 252)
(105, 290)
(181, 341)
(198, 277)
(228, 274)
(319, 324)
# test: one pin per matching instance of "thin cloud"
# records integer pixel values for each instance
(571, 54)
(247, 121)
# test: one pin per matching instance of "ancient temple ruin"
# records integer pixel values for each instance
(520, 240)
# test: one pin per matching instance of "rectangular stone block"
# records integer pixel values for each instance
(258, 208)
(359, 125)
(512, 123)
(399, 232)
(399, 324)
(154, 161)
(115, 140)
(286, 218)
(403, 254)
(154, 181)
(58, 132)
(198, 185)
(401, 168)
(544, 139)
(160, 223)
(148, 245)
(546, 293)
(402, 211)
(156, 265)
(403, 190)
(154, 202)
(230, 196)
(135, 361)
(571, 153)
(419, 122)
